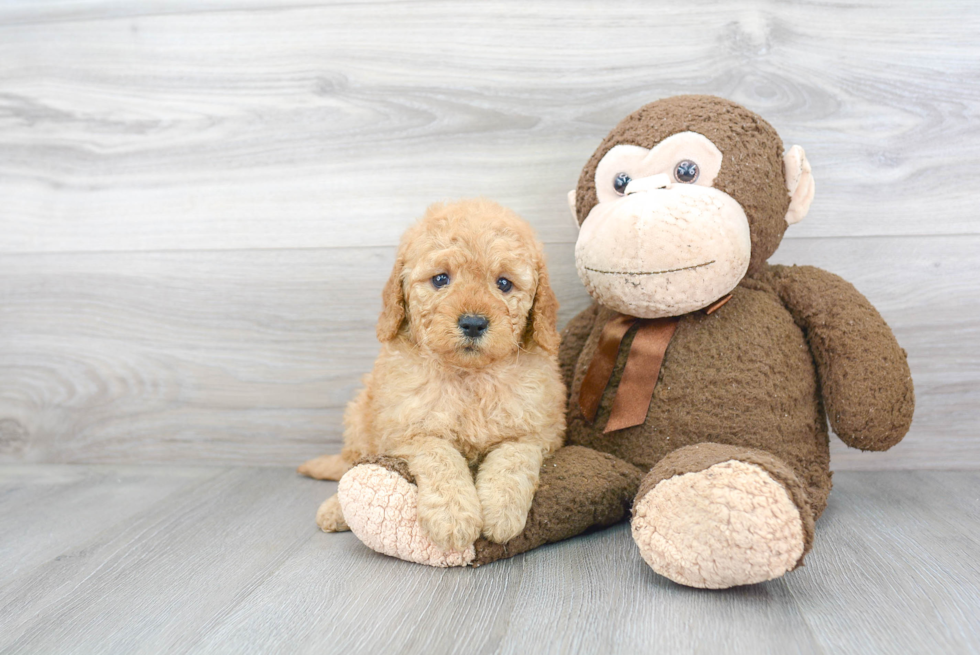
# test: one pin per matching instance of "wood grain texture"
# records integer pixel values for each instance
(43, 507)
(167, 573)
(200, 199)
(235, 564)
(250, 357)
(894, 538)
(162, 126)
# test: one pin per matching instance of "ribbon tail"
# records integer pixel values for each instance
(640, 375)
(601, 367)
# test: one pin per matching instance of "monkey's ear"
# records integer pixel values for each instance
(542, 321)
(799, 184)
(393, 303)
(571, 206)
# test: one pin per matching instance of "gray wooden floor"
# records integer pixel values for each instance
(112, 559)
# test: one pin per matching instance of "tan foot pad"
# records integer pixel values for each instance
(728, 525)
(380, 505)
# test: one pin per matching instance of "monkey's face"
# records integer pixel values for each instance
(661, 240)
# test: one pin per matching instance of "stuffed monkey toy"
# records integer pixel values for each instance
(701, 380)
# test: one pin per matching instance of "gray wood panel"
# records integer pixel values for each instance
(235, 564)
(162, 126)
(249, 357)
(200, 199)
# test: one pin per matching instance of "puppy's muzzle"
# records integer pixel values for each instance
(473, 326)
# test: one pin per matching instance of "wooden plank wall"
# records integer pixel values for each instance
(199, 200)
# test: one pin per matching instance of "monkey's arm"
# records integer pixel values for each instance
(864, 375)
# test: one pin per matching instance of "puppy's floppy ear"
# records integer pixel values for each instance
(393, 299)
(542, 322)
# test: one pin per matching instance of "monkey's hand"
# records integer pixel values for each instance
(864, 376)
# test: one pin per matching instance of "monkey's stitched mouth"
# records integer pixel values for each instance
(670, 270)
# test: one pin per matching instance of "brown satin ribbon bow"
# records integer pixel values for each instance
(635, 391)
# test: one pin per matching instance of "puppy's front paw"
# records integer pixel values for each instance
(504, 516)
(330, 517)
(451, 520)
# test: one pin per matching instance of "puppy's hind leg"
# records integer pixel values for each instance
(326, 467)
(330, 517)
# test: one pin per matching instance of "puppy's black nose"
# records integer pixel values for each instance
(473, 325)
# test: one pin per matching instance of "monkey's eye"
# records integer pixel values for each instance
(439, 281)
(686, 171)
(620, 182)
(504, 284)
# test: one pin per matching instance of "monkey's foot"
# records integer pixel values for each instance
(380, 504)
(727, 525)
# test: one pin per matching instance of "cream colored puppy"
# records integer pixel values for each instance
(467, 387)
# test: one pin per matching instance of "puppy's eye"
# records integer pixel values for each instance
(686, 172)
(504, 284)
(620, 182)
(439, 281)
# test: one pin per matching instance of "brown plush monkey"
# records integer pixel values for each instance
(701, 381)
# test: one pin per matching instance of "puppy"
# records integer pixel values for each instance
(467, 387)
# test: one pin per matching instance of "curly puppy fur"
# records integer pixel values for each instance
(473, 417)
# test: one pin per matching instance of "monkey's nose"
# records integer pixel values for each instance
(650, 183)
(473, 325)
